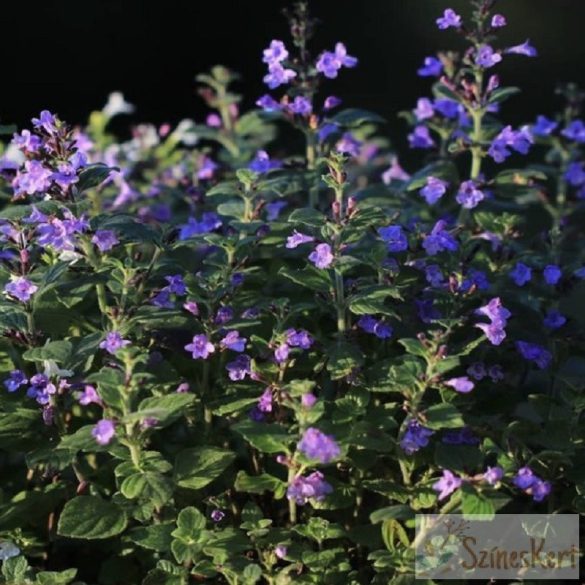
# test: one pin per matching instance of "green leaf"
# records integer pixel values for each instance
(58, 351)
(309, 277)
(443, 416)
(197, 467)
(308, 216)
(164, 408)
(53, 578)
(268, 438)
(400, 512)
(444, 170)
(155, 537)
(343, 359)
(150, 486)
(189, 522)
(414, 347)
(92, 176)
(501, 94)
(520, 177)
(91, 518)
(473, 502)
(352, 117)
(258, 484)
(372, 300)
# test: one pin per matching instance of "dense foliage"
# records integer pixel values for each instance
(225, 366)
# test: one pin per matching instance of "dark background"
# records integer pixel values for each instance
(67, 55)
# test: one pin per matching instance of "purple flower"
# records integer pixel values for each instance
(432, 67)
(367, 323)
(322, 256)
(103, 432)
(448, 108)
(275, 53)
(462, 384)
(575, 131)
(46, 121)
(348, 144)
(35, 179)
(486, 57)
(575, 174)
(415, 437)
(297, 239)
(554, 320)
(552, 274)
(176, 285)
(20, 288)
(426, 310)
(280, 551)
(424, 109)
(56, 233)
(240, 367)
(265, 401)
(301, 106)
(519, 140)
(449, 19)
(434, 190)
(525, 49)
(300, 338)
(200, 347)
(105, 240)
(496, 373)
(434, 275)
(330, 63)
(233, 341)
(543, 126)
(439, 240)
(281, 353)
(420, 137)
(274, 208)
(27, 141)
(313, 487)
(524, 478)
(317, 445)
(15, 380)
(41, 389)
(207, 169)
(308, 400)
(498, 316)
(192, 307)
(262, 163)
(495, 311)
(223, 315)
(521, 274)
(463, 436)
(89, 396)
(331, 102)
(493, 475)
(447, 484)
(268, 103)
(498, 21)
(218, 515)
(113, 342)
(540, 490)
(394, 238)
(277, 75)
(394, 173)
(383, 330)
(209, 221)
(534, 353)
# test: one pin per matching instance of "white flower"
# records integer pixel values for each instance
(117, 105)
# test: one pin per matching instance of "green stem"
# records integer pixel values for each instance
(292, 505)
(311, 165)
(340, 302)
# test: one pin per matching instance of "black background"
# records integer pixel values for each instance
(67, 55)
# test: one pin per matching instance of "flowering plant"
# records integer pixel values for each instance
(227, 361)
